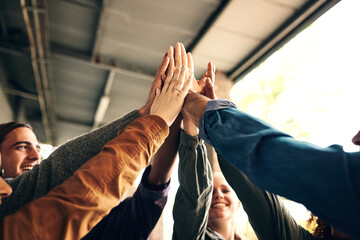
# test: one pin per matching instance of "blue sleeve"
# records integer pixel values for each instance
(325, 180)
(135, 217)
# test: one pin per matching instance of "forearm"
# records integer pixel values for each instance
(164, 160)
(60, 165)
(93, 190)
(135, 217)
(193, 197)
(276, 162)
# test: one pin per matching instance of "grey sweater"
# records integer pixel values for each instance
(60, 165)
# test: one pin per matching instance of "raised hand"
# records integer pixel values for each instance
(196, 86)
(205, 87)
(209, 84)
(157, 83)
(168, 102)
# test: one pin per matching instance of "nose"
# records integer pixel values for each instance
(34, 153)
(356, 139)
(5, 189)
(218, 194)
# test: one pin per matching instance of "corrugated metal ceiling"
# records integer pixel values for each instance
(111, 50)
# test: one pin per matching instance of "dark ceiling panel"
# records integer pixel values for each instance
(72, 25)
(20, 73)
(78, 88)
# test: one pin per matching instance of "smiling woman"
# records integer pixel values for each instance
(19, 149)
(223, 208)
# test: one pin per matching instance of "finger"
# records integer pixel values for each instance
(209, 72)
(209, 90)
(201, 84)
(162, 64)
(157, 93)
(170, 54)
(163, 68)
(212, 72)
(190, 62)
(175, 79)
(181, 79)
(184, 91)
(183, 55)
(177, 55)
(169, 77)
(190, 65)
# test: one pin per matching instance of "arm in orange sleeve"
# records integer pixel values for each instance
(70, 210)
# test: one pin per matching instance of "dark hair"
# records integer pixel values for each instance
(6, 128)
(321, 230)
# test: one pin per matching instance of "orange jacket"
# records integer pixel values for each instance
(70, 210)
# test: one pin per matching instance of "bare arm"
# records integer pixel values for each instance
(164, 159)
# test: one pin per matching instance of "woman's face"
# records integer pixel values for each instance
(224, 202)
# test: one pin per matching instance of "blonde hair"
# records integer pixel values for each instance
(318, 228)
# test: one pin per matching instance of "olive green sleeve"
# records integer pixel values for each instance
(193, 197)
(266, 212)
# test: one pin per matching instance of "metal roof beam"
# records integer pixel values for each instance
(22, 94)
(98, 31)
(36, 21)
(13, 49)
(66, 54)
(208, 24)
(83, 4)
(72, 55)
(104, 100)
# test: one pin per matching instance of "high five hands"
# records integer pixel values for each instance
(170, 99)
(174, 78)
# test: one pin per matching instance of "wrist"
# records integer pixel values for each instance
(195, 106)
(154, 184)
(145, 110)
(190, 129)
